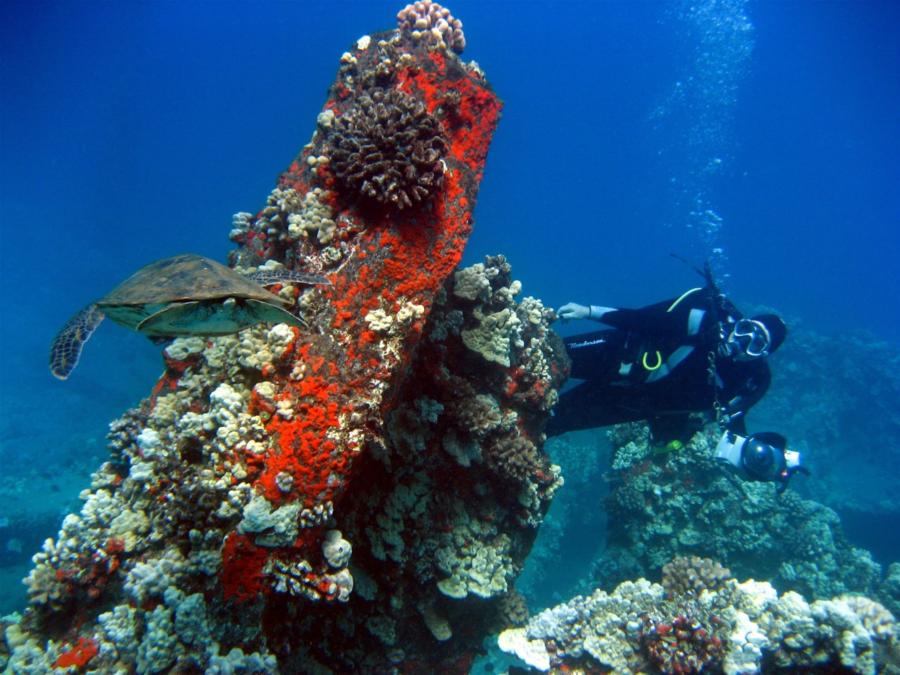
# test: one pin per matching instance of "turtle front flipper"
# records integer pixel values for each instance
(264, 312)
(68, 343)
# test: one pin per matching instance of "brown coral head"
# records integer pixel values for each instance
(691, 575)
(431, 24)
(513, 457)
(513, 609)
(387, 149)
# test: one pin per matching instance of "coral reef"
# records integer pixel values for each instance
(402, 131)
(434, 511)
(889, 591)
(685, 503)
(573, 531)
(358, 494)
(434, 533)
(730, 627)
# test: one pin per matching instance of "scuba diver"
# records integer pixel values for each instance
(678, 364)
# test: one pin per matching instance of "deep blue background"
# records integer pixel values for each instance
(132, 131)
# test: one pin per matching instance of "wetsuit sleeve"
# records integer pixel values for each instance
(669, 318)
(648, 319)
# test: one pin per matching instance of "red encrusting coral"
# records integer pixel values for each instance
(302, 448)
(79, 655)
(242, 565)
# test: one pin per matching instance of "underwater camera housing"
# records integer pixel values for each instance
(763, 457)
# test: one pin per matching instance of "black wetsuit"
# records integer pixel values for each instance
(655, 364)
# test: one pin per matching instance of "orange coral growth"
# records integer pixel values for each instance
(79, 655)
(242, 565)
(475, 117)
(302, 448)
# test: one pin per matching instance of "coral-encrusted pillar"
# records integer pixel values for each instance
(380, 201)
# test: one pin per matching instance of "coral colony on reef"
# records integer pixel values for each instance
(708, 624)
(360, 495)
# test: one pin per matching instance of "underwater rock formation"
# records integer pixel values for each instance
(729, 627)
(358, 495)
(835, 403)
(680, 503)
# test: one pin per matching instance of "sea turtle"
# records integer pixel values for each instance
(184, 295)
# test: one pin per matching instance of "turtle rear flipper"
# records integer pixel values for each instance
(68, 343)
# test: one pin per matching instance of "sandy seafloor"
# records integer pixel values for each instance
(761, 135)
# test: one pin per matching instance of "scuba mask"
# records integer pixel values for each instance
(749, 339)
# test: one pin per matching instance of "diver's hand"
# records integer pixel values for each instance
(573, 310)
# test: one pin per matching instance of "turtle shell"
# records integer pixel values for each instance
(185, 278)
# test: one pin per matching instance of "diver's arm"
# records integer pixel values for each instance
(668, 317)
(751, 390)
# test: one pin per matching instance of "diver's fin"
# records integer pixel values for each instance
(68, 343)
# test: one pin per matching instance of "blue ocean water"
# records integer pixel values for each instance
(762, 135)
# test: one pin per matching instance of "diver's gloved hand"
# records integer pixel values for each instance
(573, 310)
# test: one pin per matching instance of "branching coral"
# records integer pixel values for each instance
(386, 148)
(517, 458)
(513, 609)
(474, 558)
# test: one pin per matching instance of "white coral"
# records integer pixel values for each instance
(476, 558)
(272, 527)
(336, 549)
(494, 335)
(379, 320)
